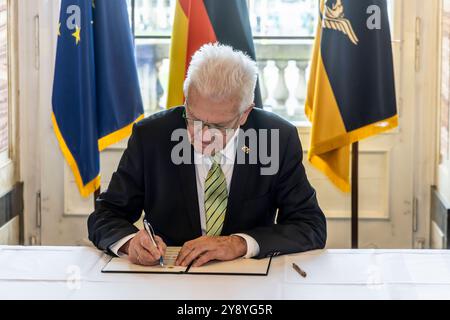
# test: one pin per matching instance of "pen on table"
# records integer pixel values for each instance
(151, 233)
(299, 270)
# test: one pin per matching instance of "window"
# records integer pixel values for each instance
(287, 18)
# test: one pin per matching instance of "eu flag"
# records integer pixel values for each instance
(351, 91)
(96, 97)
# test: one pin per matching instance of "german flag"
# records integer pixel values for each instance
(351, 90)
(198, 22)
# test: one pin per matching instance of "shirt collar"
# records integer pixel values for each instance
(228, 153)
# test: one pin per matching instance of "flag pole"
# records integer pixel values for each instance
(96, 194)
(355, 160)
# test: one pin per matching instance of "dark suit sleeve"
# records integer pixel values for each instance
(301, 224)
(122, 204)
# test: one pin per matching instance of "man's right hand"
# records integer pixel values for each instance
(141, 251)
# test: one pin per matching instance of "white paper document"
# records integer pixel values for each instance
(236, 267)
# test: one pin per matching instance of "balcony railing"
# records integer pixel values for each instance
(283, 71)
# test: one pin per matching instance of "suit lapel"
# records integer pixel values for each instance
(188, 184)
(239, 180)
(189, 189)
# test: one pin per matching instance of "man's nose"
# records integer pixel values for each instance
(207, 134)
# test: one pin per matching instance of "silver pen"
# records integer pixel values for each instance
(148, 227)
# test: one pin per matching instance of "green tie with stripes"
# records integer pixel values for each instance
(216, 198)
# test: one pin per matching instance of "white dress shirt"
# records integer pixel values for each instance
(202, 166)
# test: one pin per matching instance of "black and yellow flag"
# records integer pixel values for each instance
(351, 90)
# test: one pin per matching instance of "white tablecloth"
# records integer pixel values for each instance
(75, 273)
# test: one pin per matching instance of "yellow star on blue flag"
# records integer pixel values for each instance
(76, 35)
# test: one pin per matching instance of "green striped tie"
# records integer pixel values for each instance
(216, 198)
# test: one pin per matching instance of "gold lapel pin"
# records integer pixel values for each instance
(246, 149)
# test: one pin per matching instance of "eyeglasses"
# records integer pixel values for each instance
(191, 122)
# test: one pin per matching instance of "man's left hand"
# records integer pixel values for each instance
(205, 249)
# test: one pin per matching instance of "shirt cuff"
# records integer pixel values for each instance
(115, 247)
(252, 245)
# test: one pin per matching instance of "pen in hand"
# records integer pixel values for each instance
(151, 233)
(299, 270)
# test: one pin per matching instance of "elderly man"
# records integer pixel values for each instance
(220, 204)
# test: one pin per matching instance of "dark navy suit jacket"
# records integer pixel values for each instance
(280, 211)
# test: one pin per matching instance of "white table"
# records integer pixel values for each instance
(75, 273)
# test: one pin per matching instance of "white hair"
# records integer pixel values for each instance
(222, 74)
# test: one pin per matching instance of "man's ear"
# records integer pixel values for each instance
(246, 114)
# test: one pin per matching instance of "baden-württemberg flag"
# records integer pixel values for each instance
(351, 90)
(96, 97)
(198, 22)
